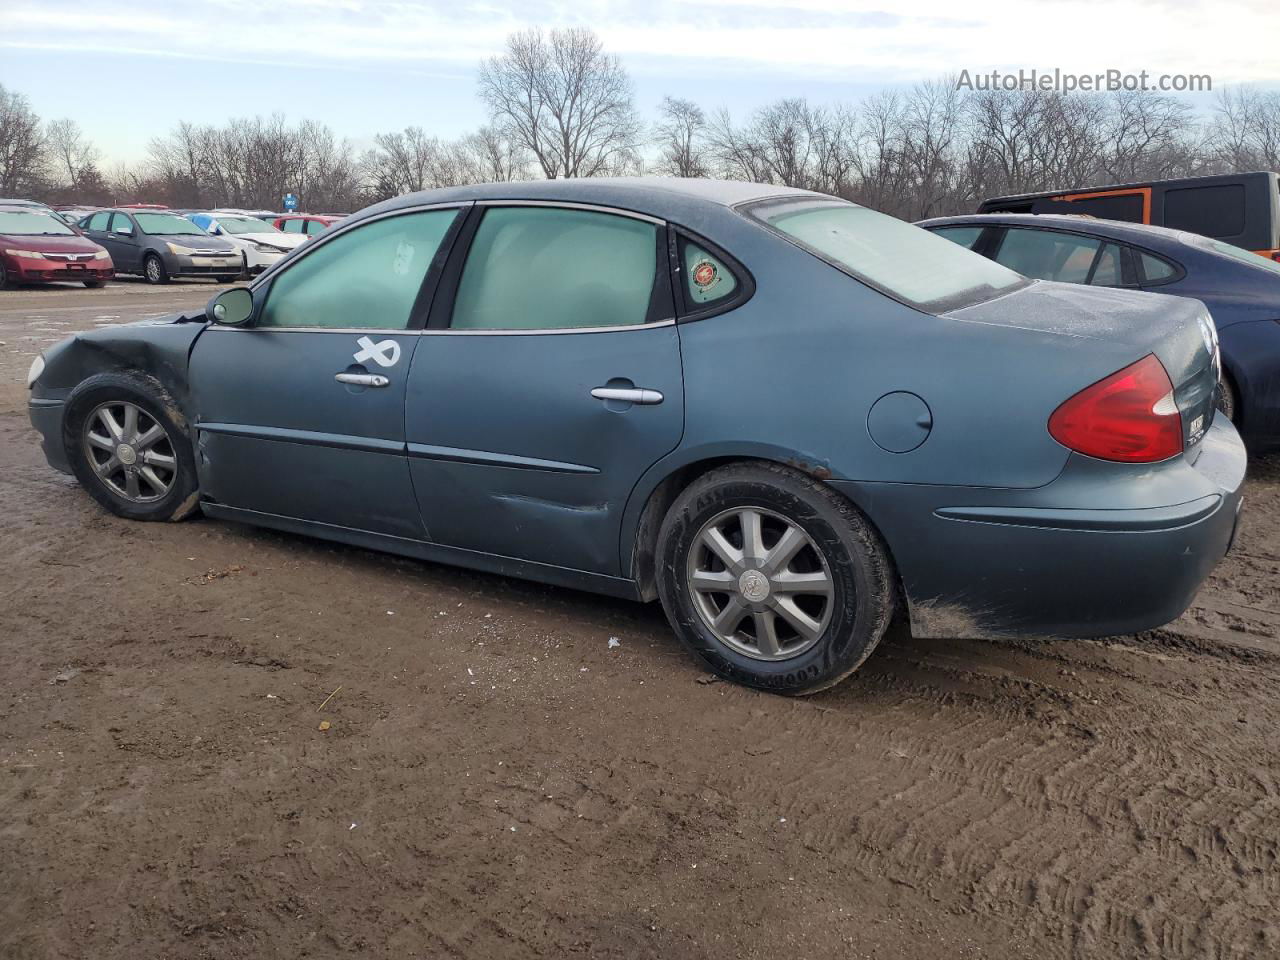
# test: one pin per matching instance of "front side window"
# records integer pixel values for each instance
(966, 237)
(292, 226)
(1047, 255)
(313, 227)
(707, 278)
(367, 278)
(895, 257)
(167, 225)
(541, 268)
(99, 220)
(120, 223)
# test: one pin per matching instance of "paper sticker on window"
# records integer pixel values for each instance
(404, 258)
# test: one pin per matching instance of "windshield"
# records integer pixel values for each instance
(908, 263)
(245, 225)
(19, 223)
(1244, 256)
(166, 224)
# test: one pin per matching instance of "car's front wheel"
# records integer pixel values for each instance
(153, 269)
(94, 284)
(773, 579)
(130, 448)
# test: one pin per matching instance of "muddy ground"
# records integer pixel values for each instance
(496, 781)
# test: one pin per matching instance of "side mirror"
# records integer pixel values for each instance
(231, 308)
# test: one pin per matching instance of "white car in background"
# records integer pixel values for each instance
(260, 243)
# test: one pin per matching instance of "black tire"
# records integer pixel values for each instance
(1228, 399)
(226, 279)
(94, 284)
(864, 591)
(154, 401)
(153, 269)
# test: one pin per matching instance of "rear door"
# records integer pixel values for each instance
(301, 412)
(548, 381)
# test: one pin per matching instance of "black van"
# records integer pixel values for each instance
(1241, 209)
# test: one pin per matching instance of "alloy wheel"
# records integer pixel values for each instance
(760, 583)
(130, 452)
(153, 269)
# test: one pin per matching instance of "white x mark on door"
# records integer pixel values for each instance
(385, 353)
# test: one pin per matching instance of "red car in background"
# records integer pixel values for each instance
(38, 247)
(308, 223)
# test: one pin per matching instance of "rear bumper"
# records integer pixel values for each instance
(1104, 549)
(46, 417)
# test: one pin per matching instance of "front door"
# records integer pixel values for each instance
(549, 381)
(121, 241)
(300, 413)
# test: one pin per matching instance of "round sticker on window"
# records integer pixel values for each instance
(704, 274)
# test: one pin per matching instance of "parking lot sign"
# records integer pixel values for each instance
(290, 202)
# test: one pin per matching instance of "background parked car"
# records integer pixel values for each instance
(1239, 208)
(160, 245)
(311, 224)
(260, 243)
(1241, 289)
(37, 247)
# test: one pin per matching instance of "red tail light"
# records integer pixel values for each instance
(1130, 416)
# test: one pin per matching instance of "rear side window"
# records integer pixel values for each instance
(1107, 272)
(707, 278)
(1046, 255)
(897, 258)
(544, 268)
(292, 226)
(368, 277)
(315, 226)
(1210, 211)
(964, 236)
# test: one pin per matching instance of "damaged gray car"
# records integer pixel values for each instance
(783, 415)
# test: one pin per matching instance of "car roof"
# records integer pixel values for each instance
(1114, 229)
(667, 197)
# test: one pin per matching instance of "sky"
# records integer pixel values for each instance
(368, 66)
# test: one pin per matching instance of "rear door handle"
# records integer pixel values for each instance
(362, 379)
(638, 395)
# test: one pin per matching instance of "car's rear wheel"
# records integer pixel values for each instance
(94, 284)
(773, 579)
(130, 448)
(153, 269)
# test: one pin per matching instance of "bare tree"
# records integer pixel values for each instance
(22, 146)
(1245, 131)
(679, 137)
(73, 153)
(566, 101)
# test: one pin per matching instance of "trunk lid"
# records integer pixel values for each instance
(1179, 331)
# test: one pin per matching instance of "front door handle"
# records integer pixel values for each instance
(362, 379)
(638, 395)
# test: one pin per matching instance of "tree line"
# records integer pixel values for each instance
(559, 105)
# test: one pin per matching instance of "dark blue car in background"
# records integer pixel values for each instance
(776, 412)
(1240, 288)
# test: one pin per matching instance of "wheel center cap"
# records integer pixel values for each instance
(754, 586)
(126, 454)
